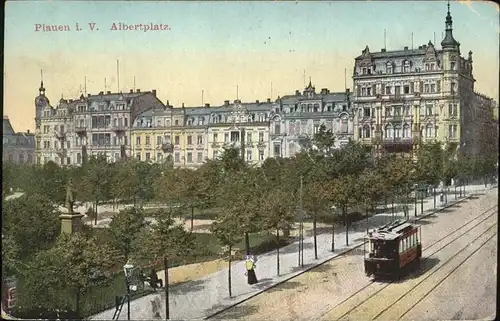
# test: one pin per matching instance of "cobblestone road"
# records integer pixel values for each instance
(312, 294)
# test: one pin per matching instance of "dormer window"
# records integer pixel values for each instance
(406, 66)
(389, 67)
(452, 67)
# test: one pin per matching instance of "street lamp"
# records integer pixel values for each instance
(128, 270)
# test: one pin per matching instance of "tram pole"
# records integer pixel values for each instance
(416, 204)
(434, 193)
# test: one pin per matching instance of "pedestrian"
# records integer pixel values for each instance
(250, 267)
(154, 281)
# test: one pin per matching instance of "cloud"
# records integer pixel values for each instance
(470, 5)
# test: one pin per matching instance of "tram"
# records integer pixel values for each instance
(393, 249)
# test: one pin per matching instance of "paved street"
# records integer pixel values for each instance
(200, 298)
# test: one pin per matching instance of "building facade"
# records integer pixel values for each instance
(18, 148)
(91, 125)
(296, 118)
(405, 97)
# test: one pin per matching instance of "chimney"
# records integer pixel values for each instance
(297, 93)
(108, 92)
(424, 47)
(101, 93)
(257, 101)
(419, 47)
(138, 91)
(406, 48)
(226, 102)
(28, 131)
(182, 105)
(324, 91)
(207, 105)
(347, 90)
(268, 100)
(131, 91)
(71, 100)
(154, 92)
(88, 95)
(383, 50)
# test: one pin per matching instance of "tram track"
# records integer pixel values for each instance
(374, 287)
(400, 308)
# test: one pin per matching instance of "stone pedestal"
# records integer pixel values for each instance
(71, 222)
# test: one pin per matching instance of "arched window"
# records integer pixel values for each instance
(406, 131)
(316, 108)
(389, 67)
(429, 130)
(397, 131)
(406, 66)
(201, 120)
(309, 108)
(344, 126)
(219, 118)
(388, 131)
(366, 131)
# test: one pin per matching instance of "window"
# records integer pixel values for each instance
(388, 131)
(433, 88)
(397, 111)
(226, 137)
(406, 67)
(316, 128)
(452, 66)
(189, 157)
(249, 155)
(429, 130)
(68, 144)
(190, 140)
(249, 137)
(235, 136)
(261, 155)
(453, 88)
(159, 157)
(138, 156)
(428, 110)
(78, 158)
(397, 90)
(389, 68)
(364, 71)
(407, 111)
(158, 140)
(277, 150)
(176, 122)
(452, 131)
(199, 140)
(137, 140)
(148, 140)
(215, 154)
(406, 89)
(426, 88)
(261, 137)
(344, 126)
(148, 157)
(432, 67)
(388, 111)
(277, 128)
(177, 140)
(452, 109)
(406, 131)
(215, 138)
(368, 91)
(388, 90)
(199, 157)
(363, 91)
(366, 131)
(397, 131)
(177, 157)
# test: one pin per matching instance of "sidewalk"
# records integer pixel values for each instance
(209, 295)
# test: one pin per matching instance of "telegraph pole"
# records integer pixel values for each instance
(301, 239)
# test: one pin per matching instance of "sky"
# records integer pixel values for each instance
(216, 51)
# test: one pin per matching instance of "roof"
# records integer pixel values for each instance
(390, 231)
(7, 127)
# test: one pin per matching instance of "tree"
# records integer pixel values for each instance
(10, 254)
(324, 140)
(58, 277)
(125, 228)
(32, 222)
(127, 183)
(280, 213)
(315, 201)
(97, 181)
(342, 193)
(228, 231)
(165, 240)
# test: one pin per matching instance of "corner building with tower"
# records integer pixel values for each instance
(406, 97)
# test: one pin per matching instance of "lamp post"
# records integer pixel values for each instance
(127, 270)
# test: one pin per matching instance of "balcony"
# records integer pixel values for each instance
(167, 148)
(80, 130)
(396, 97)
(119, 128)
(396, 140)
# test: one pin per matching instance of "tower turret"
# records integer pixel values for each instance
(449, 42)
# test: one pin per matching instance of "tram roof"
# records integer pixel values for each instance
(390, 231)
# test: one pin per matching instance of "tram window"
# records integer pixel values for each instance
(406, 243)
(400, 246)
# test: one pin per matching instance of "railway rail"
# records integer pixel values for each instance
(368, 292)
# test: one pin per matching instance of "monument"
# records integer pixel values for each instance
(70, 221)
